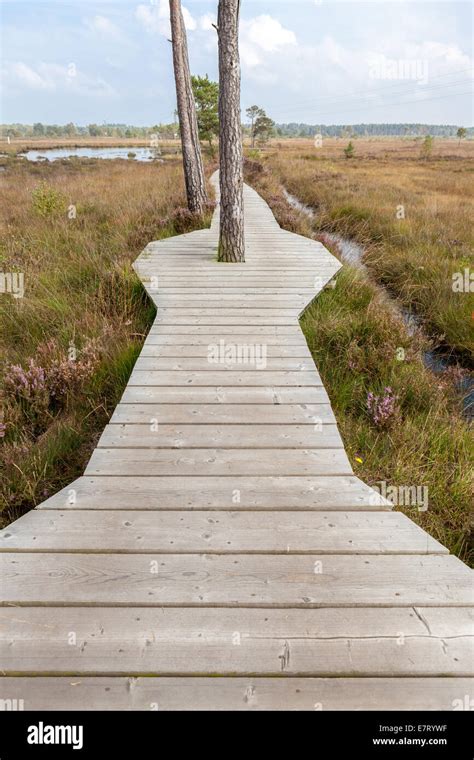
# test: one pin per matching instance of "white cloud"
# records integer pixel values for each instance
(262, 39)
(26, 76)
(266, 33)
(319, 78)
(103, 26)
(156, 18)
(53, 78)
(207, 22)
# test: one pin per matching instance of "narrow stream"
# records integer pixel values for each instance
(436, 361)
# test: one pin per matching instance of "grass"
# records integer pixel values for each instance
(73, 229)
(412, 216)
(355, 337)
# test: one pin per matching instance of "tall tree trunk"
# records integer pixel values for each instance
(231, 243)
(192, 158)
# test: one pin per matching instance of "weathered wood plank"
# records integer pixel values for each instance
(213, 462)
(214, 299)
(218, 532)
(219, 291)
(234, 375)
(272, 329)
(158, 435)
(226, 312)
(200, 492)
(201, 350)
(271, 341)
(249, 580)
(238, 694)
(174, 320)
(252, 414)
(319, 642)
(224, 395)
(248, 358)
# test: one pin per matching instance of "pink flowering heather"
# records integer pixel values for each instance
(382, 409)
(39, 388)
(27, 384)
(67, 376)
(3, 429)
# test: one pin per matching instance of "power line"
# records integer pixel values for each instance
(397, 103)
(378, 91)
(369, 98)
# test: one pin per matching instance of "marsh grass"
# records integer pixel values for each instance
(77, 331)
(355, 336)
(413, 217)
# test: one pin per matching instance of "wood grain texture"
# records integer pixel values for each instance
(234, 580)
(221, 532)
(335, 642)
(269, 493)
(239, 694)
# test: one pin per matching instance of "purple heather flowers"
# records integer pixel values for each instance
(382, 409)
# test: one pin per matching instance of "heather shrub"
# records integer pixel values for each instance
(382, 409)
(42, 387)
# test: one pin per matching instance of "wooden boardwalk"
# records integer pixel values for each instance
(219, 530)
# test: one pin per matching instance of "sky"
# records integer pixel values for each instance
(313, 61)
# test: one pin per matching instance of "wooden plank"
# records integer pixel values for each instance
(320, 642)
(299, 277)
(289, 263)
(217, 292)
(249, 580)
(286, 270)
(159, 435)
(214, 358)
(214, 299)
(213, 462)
(277, 330)
(274, 343)
(234, 376)
(201, 350)
(200, 492)
(250, 395)
(254, 414)
(224, 312)
(227, 532)
(239, 694)
(174, 320)
(312, 282)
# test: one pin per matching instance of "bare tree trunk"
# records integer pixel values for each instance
(192, 158)
(231, 243)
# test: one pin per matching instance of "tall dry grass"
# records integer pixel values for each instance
(73, 230)
(413, 216)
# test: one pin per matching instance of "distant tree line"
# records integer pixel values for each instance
(166, 131)
(259, 128)
(294, 129)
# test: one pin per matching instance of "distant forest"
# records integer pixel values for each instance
(294, 129)
(369, 130)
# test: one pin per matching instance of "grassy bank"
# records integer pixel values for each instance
(72, 229)
(413, 217)
(415, 436)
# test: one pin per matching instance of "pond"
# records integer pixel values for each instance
(129, 152)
